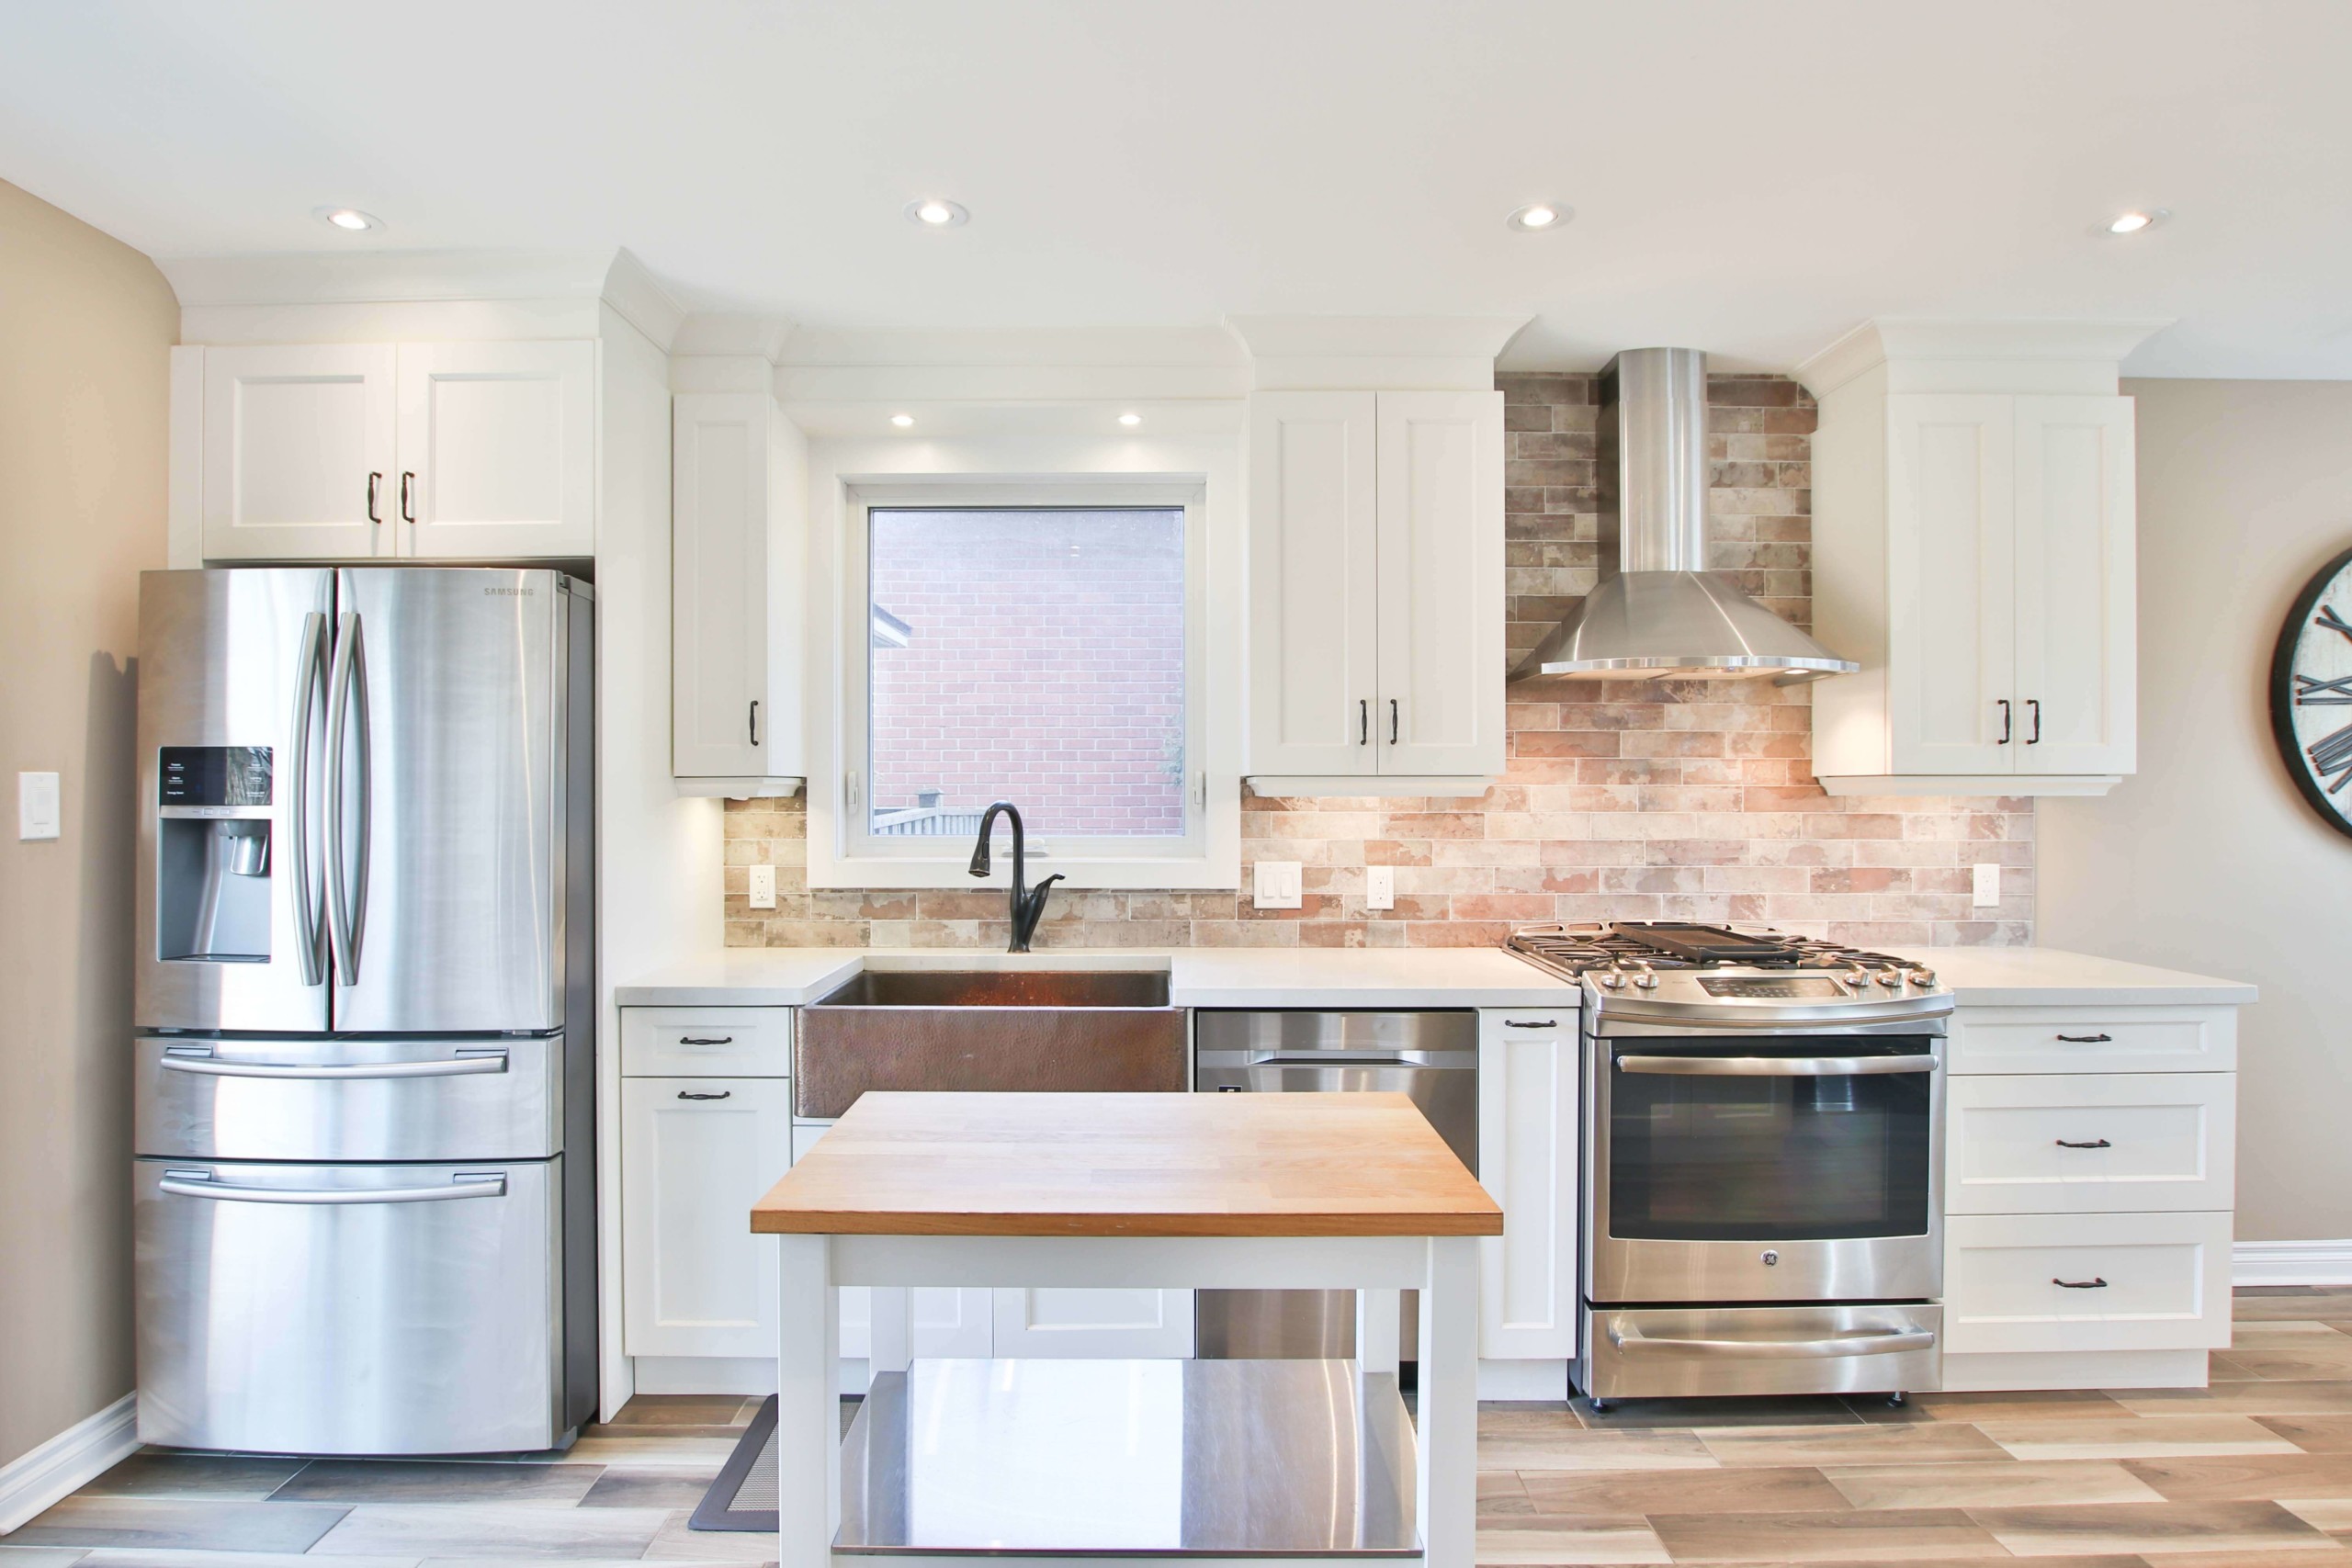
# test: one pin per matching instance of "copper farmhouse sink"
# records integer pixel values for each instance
(1066, 1030)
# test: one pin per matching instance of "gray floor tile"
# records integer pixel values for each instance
(437, 1482)
(220, 1477)
(39, 1556)
(179, 1523)
(648, 1488)
(520, 1530)
(143, 1557)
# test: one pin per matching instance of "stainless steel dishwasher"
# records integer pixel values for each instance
(1432, 1056)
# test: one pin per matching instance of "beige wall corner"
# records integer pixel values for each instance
(85, 326)
(2207, 860)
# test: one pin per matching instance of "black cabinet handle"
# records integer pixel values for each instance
(1530, 1023)
(705, 1040)
(408, 498)
(1363, 721)
(1392, 721)
(2091, 1285)
(722, 1094)
(2006, 725)
(2094, 1143)
(2088, 1039)
(755, 721)
(2035, 739)
(374, 482)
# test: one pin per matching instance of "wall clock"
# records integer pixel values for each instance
(2310, 692)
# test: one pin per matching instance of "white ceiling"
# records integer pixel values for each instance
(1748, 178)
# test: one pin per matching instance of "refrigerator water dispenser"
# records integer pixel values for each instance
(214, 865)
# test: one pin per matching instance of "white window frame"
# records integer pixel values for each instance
(1206, 856)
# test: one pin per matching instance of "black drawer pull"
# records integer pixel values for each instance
(2094, 1143)
(1530, 1023)
(705, 1040)
(2091, 1285)
(2087, 1039)
(722, 1094)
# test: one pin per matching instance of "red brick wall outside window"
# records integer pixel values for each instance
(1043, 664)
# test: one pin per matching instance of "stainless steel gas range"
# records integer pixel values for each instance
(1763, 1151)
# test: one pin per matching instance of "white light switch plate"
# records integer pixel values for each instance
(1988, 887)
(1278, 886)
(37, 810)
(763, 887)
(1380, 887)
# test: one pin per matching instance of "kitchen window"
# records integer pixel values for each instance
(1036, 643)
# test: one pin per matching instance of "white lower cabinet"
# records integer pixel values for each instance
(2122, 1142)
(2076, 1282)
(696, 1153)
(1528, 1131)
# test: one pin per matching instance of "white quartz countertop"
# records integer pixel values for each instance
(2050, 976)
(1203, 977)
(1384, 977)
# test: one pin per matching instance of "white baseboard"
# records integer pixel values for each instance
(1523, 1380)
(2291, 1263)
(705, 1374)
(2004, 1371)
(72, 1459)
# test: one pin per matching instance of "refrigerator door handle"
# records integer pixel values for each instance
(195, 1184)
(177, 1059)
(347, 889)
(310, 918)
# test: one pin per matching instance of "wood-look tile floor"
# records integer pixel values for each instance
(2255, 1471)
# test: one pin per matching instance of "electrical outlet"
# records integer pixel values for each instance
(37, 810)
(1278, 884)
(763, 887)
(1987, 890)
(1380, 887)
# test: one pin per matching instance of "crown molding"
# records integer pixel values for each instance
(1374, 350)
(631, 289)
(2092, 344)
(707, 333)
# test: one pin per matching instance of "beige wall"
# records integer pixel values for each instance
(2208, 859)
(84, 324)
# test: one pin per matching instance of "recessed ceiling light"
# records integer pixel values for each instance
(937, 212)
(903, 420)
(2136, 222)
(1131, 419)
(348, 219)
(1536, 217)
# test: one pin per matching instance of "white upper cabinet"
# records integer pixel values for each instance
(738, 500)
(1376, 589)
(1972, 548)
(423, 451)
(298, 451)
(498, 450)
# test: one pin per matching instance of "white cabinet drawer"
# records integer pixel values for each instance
(2069, 1143)
(2141, 1282)
(2094, 1039)
(690, 1043)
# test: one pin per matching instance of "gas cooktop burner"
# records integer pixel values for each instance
(1571, 949)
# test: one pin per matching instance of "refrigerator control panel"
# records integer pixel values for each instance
(215, 775)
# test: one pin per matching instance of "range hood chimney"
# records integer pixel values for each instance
(1657, 612)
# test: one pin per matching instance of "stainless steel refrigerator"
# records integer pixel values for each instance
(364, 1186)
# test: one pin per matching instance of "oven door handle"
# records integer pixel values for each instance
(1627, 1337)
(1776, 1067)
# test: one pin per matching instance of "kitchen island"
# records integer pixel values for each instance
(1009, 1458)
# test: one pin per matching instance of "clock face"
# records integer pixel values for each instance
(2310, 692)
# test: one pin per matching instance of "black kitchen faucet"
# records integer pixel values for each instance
(1028, 903)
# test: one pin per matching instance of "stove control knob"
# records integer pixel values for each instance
(1646, 980)
(1923, 976)
(1614, 980)
(1889, 978)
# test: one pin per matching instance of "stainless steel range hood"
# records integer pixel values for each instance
(1657, 612)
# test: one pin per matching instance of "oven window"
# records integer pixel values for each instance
(1698, 1158)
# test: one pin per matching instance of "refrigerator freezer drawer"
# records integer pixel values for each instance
(349, 1099)
(348, 1309)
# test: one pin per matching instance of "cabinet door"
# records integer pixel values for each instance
(1314, 583)
(497, 450)
(1951, 536)
(1094, 1324)
(2086, 1282)
(1439, 708)
(2076, 619)
(694, 1281)
(1528, 1162)
(720, 584)
(298, 448)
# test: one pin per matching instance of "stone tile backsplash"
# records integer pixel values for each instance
(1623, 800)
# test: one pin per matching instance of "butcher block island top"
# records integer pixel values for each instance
(1130, 1164)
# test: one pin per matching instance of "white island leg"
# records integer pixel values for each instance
(1447, 1476)
(807, 1407)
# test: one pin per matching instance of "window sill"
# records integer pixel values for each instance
(1191, 876)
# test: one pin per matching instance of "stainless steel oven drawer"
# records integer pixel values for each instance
(348, 1309)
(349, 1099)
(1678, 1352)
